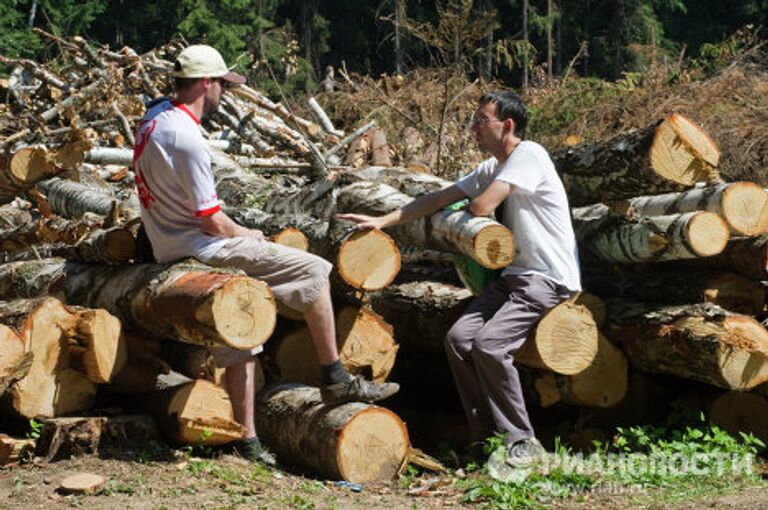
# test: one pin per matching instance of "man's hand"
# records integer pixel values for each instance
(364, 221)
(254, 233)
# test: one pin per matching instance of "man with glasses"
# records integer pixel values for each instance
(183, 218)
(520, 178)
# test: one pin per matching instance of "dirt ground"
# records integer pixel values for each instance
(227, 482)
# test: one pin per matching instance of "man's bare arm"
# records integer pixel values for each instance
(221, 225)
(486, 202)
(420, 207)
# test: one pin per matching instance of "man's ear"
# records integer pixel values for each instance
(509, 126)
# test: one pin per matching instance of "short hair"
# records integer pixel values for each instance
(184, 83)
(508, 106)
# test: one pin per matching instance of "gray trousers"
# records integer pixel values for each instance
(481, 347)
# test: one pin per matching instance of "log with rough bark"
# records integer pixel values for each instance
(23, 229)
(564, 341)
(403, 180)
(733, 292)
(355, 442)
(743, 205)
(14, 360)
(15, 450)
(50, 388)
(196, 413)
(614, 238)
(486, 241)
(102, 246)
(602, 384)
(61, 438)
(187, 301)
(23, 169)
(367, 260)
(365, 342)
(747, 256)
(72, 199)
(421, 312)
(379, 148)
(701, 342)
(738, 412)
(667, 156)
(357, 154)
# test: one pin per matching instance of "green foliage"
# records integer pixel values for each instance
(35, 428)
(70, 17)
(703, 457)
(16, 40)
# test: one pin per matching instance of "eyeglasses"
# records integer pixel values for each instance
(476, 121)
(225, 85)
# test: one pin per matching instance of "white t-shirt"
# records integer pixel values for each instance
(536, 211)
(175, 183)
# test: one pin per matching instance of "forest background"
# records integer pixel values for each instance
(290, 42)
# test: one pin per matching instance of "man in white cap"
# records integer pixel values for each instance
(183, 218)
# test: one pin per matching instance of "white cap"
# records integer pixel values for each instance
(199, 60)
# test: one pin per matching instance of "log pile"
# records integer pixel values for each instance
(80, 314)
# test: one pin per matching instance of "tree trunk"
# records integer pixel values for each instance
(743, 205)
(403, 180)
(187, 301)
(62, 438)
(111, 246)
(731, 291)
(602, 384)
(15, 450)
(738, 412)
(23, 169)
(421, 312)
(196, 413)
(50, 388)
(613, 238)
(365, 342)
(564, 341)
(486, 241)
(15, 362)
(355, 442)
(379, 147)
(72, 199)
(700, 342)
(663, 157)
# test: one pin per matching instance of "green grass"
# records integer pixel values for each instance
(644, 462)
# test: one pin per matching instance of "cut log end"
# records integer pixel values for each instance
(745, 208)
(737, 412)
(292, 237)
(368, 260)
(372, 446)
(494, 247)
(683, 152)
(604, 382)
(743, 356)
(82, 483)
(105, 351)
(31, 164)
(707, 234)
(244, 312)
(565, 340)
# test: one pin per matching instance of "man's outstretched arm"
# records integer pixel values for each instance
(420, 207)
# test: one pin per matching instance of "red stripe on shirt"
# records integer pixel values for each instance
(208, 212)
(184, 108)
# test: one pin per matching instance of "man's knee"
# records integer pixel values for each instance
(458, 343)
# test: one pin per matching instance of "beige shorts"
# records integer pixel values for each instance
(295, 277)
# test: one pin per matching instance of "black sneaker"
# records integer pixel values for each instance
(357, 389)
(524, 453)
(252, 450)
